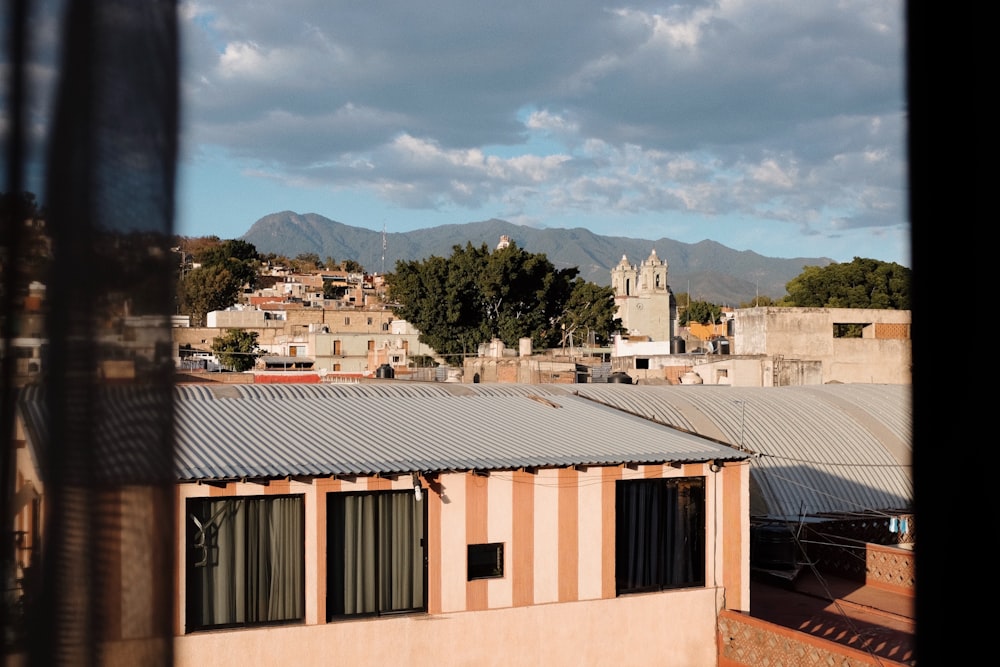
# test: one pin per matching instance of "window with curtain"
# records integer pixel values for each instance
(659, 534)
(245, 561)
(376, 554)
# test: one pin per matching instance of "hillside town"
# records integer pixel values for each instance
(627, 377)
(781, 433)
(335, 326)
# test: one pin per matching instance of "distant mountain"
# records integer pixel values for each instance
(709, 270)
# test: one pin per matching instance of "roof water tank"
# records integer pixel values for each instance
(620, 377)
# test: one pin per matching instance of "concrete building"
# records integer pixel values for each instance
(849, 344)
(338, 340)
(777, 347)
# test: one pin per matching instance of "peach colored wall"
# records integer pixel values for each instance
(546, 537)
(631, 630)
(557, 526)
(453, 544)
(500, 529)
(590, 542)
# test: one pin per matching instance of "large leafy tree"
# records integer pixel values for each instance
(701, 312)
(226, 267)
(236, 349)
(590, 313)
(862, 283)
(22, 220)
(239, 257)
(206, 289)
(477, 295)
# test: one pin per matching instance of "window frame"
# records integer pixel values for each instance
(196, 553)
(336, 572)
(491, 552)
(638, 503)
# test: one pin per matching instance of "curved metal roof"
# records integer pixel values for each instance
(816, 448)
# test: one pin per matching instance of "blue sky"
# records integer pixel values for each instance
(776, 126)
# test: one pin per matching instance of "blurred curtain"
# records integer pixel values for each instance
(103, 590)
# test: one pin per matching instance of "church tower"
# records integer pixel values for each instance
(645, 302)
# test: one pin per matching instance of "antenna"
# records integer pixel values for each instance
(383, 247)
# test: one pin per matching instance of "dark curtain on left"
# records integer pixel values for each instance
(102, 591)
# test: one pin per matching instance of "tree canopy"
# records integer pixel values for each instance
(477, 295)
(701, 312)
(862, 283)
(236, 349)
(22, 219)
(226, 267)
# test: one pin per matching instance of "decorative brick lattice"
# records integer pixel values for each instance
(748, 641)
(887, 331)
(840, 545)
(890, 567)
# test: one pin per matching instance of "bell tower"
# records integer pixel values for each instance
(645, 303)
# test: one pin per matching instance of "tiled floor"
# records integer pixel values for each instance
(869, 619)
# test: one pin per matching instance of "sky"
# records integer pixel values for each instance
(777, 126)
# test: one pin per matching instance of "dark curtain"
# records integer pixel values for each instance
(375, 553)
(104, 577)
(660, 534)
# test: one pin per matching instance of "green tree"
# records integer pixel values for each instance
(226, 267)
(701, 312)
(206, 289)
(22, 215)
(862, 283)
(306, 262)
(351, 266)
(237, 349)
(239, 257)
(477, 295)
(759, 301)
(590, 313)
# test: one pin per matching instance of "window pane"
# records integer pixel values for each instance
(485, 561)
(660, 534)
(245, 561)
(375, 553)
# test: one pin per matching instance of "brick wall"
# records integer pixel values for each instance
(745, 641)
(887, 331)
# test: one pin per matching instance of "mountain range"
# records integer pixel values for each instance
(707, 270)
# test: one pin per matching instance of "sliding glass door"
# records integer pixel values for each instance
(376, 553)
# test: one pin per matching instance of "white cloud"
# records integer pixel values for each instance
(765, 110)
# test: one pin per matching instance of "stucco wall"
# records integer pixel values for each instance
(556, 602)
(792, 338)
(676, 628)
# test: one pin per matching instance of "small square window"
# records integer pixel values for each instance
(485, 561)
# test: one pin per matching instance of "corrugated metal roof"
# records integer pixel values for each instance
(254, 431)
(813, 449)
(817, 448)
(274, 431)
